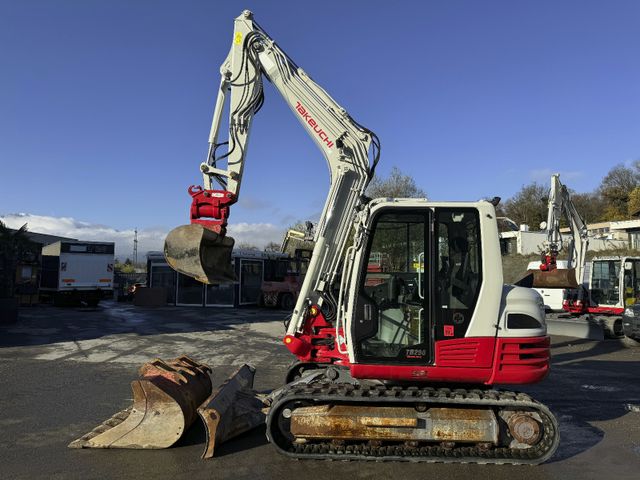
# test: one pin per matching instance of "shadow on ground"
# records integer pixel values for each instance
(46, 324)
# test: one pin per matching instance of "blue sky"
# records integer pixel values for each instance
(105, 106)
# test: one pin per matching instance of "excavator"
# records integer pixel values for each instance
(282, 289)
(399, 362)
(602, 303)
(549, 275)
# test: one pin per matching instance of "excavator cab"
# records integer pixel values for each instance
(425, 288)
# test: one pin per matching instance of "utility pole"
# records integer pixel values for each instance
(135, 246)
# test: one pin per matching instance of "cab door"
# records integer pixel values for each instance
(392, 323)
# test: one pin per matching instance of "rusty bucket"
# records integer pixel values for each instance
(165, 403)
(234, 408)
(200, 253)
(557, 278)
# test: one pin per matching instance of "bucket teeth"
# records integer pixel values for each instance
(200, 253)
(165, 401)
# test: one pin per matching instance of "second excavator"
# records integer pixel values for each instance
(548, 275)
(397, 362)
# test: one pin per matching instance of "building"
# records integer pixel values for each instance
(602, 237)
(627, 230)
(27, 274)
(251, 268)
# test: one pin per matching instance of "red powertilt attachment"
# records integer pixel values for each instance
(210, 208)
(548, 262)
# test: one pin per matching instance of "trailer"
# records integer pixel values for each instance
(77, 272)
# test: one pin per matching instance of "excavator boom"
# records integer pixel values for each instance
(202, 249)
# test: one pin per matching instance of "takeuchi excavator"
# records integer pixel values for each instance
(393, 363)
(375, 348)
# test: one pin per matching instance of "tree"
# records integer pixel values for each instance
(591, 206)
(126, 267)
(272, 247)
(616, 187)
(397, 185)
(529, 205)
(633, 205)
(247, 246)
(15, 247)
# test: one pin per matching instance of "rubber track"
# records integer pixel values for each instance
(325, 392)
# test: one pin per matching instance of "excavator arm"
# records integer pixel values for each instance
(560, 204)
(202, 250)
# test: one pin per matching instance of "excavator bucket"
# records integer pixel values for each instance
(557, 278)
(200, 253)
(165, 402)
(232, 409)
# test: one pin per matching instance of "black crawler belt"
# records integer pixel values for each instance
(323, 392)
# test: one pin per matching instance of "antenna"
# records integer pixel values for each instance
(135, 246)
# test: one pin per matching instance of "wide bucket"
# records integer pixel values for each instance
(165, 403)
(557, 278)
(200, 253)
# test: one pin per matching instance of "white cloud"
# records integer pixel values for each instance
(258, 234)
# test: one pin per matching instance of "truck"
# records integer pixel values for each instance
(77, 272)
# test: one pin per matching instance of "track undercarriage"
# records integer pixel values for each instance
(322, 419)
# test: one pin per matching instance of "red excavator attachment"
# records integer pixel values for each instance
(202, 250)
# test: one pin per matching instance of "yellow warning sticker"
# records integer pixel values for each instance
(238, 39)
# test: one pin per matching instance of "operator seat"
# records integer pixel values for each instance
(461, 273)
